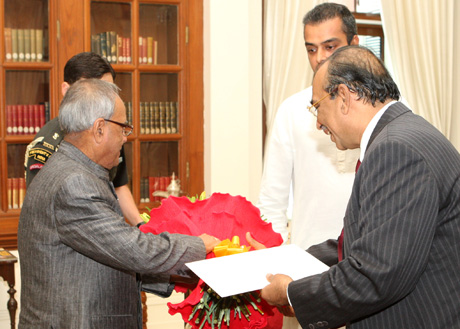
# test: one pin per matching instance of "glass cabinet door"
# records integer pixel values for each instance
(160, 160)
(16, 183)
(26, 30)
(158, 37)
(159, 106)
(26, 112)
(111, 31)
(124, 82)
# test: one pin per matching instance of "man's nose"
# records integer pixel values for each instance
(320, 55)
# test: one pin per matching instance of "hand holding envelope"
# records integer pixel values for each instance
(289, 260)
(275, 293)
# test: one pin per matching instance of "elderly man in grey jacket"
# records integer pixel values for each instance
(79, 258)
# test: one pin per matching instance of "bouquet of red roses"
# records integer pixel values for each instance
(223, 216)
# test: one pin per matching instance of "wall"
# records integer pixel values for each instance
(233, 97)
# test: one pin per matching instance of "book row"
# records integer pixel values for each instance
(148, 50)
(16, 192)
(159, 117)
(26, 119)
(117, 49)
(151, 184)
(23, 45)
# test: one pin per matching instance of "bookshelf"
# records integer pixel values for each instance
(163, 90)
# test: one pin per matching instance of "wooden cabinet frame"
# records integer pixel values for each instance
(70, 33)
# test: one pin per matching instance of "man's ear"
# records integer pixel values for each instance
(64, 87)
(354, 41)
(99, 129)
(344, 95)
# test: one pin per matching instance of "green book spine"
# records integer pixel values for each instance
(33, 45)
(21, 55)
(27, 45)
(103, 38)
(39, 47)
(14, 45)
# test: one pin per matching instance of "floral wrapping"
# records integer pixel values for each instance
(222, 216)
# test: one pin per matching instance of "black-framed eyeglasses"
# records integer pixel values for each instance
(126, 128)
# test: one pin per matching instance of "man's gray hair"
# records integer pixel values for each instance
(85, 102)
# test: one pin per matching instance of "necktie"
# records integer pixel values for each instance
(340, 242)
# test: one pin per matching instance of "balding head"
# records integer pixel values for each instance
(362, 72)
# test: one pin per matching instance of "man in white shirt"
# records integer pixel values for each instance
(298, 154)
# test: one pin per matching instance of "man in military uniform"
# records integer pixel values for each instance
(84, 65)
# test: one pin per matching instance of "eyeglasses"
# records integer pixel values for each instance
(126, 128)
(312, 108)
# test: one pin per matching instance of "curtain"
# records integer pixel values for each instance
(420, 34)
(286, 69)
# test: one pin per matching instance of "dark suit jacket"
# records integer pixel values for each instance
(401, 237)
(78, 256)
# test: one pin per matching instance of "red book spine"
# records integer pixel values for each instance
(9, 120)
(14, 113)
(26, 119)
(42, 115)
(120, 58)
(20, 109)
(31, 120)
(37, 118)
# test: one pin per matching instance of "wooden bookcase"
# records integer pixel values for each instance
(177, 76)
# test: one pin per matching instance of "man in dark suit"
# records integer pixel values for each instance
(401, 249)
(79, 258)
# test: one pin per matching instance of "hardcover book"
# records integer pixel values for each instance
(142, 117)
(8, 45)
(121, 58)
(103, 38)
(9, 120)
(113, 46)
(14, 120)
(39, 48)
(20, 114)
(33, 45)
(27, 45)
(26, 119)
(31, 119)
(21, 55)
(150, 50)
(156, 110)
(14, 45)
(15, 193)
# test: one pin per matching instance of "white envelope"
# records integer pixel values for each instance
(239, 273)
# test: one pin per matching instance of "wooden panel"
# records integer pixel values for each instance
(71, 35)
(195, 121)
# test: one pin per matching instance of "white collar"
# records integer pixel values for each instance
(370, 128)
